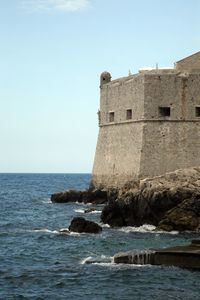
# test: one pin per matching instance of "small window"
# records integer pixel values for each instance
(164, 111)
(129, 114)
(111, 116)
(197, 111)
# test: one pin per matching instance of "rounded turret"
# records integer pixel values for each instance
(105, 78)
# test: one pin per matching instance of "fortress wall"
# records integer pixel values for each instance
(168, 146)
(179, 92)
(189, 63)
(120, 95)
(170, 143)
(160, 90)
(117, 158)
(163, 133)
(193, 94)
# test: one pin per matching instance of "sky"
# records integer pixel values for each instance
(52, 53)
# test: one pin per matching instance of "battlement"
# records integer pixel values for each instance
(144, 115)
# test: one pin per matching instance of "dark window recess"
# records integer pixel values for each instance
(164, 111)
(197, 111)
(129, 114)
(111, 116)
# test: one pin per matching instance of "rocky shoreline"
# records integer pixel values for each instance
(169, 202)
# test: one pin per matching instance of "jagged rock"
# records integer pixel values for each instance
(88, 196)
(112, 215)
(89, 210)
(94, 196)
(148, 201)
(185, 216)
(81, 225)
(67, 196)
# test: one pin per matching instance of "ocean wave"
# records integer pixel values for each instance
(83, 211)
(146, 228)
(86, 260)
(102, 259)
(143, 228)
(108, 261)
(59, 231)
(120, 266)
(45, 230)
(46, 200)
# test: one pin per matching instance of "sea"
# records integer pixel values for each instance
(37, 261)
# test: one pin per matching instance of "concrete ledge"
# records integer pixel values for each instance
(180, 256)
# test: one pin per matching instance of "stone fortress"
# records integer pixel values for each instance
(149, 123)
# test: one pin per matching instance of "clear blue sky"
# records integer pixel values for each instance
(51, 55)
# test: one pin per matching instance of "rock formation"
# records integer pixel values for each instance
(170, 201)
(88, 196)
(81, 225)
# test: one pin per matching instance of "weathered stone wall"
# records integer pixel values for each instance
(172, 142)
(121, 95)
(168, 146)
(179, 92)
(189, 63)
(117, 158)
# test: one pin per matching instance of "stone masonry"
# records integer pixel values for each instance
(149, 123)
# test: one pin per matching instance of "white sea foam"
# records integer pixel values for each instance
(60, 231)
(46, 200)
(146, 228)
(64, 231)
(80, 210)
(102, 259)
(83, 204)
(95, 212)
(119, 266)
(108, 261)
(174, 232)
(85, 260)
(45, 230)
(143, 228)
(105, 225)
(104, 264)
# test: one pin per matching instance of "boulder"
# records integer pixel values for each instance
(67, 196)
(185, 216)
(81, 225)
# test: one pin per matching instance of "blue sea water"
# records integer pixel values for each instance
(38, 262)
